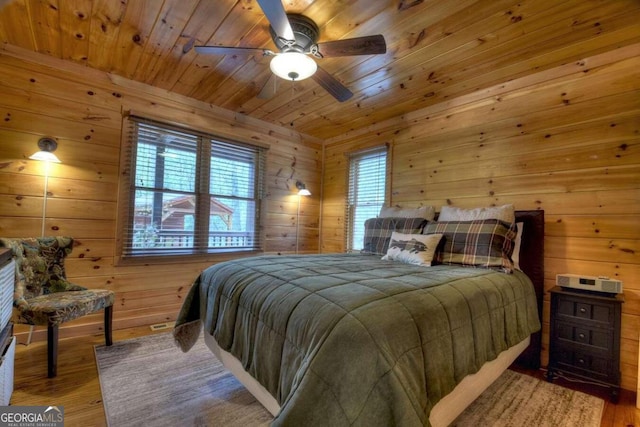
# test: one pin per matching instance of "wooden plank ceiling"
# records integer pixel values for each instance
(436, 49)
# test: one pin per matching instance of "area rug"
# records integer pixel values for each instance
(520, 400)
(149, 381)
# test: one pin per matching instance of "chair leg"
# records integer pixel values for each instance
(52, 351)
(52, 341)
(108, 320)
(30, 334)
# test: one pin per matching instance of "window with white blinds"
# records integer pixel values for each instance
(367, 191)
(190, 193)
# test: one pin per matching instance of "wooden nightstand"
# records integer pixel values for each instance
(584, 340)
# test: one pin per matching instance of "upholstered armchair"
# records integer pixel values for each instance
(44, 296)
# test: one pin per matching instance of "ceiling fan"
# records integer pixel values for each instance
(296, 37)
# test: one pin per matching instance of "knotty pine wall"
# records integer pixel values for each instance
(82, 109)
(565, 140)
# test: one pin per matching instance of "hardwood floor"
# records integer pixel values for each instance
(77, 387)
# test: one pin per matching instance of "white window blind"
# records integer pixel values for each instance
(190, 192)
(367, 190)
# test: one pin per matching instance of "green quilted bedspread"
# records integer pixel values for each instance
(349, 339)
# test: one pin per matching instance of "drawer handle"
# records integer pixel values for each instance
(581, 336)
(583, 310)
(581, 361)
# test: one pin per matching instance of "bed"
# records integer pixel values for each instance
(349, 339)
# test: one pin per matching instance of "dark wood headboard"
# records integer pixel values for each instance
(532, 263)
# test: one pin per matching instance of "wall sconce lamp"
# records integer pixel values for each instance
(302, 191)
(47, 147)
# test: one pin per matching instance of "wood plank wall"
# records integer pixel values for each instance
(82, 109)
(566, 140)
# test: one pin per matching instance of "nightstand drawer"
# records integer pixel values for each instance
(579, 309)
(586, 364)
(598, 338)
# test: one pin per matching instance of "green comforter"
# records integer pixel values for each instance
(352, 340)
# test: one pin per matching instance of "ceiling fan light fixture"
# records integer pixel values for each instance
(293, 66)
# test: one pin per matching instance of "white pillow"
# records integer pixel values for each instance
(515, 256)
(416, 249)
(504, 213)
(426, 212)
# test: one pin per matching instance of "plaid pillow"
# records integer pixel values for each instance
(377, 232)
(482, 243)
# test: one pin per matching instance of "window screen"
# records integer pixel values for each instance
(190, 192)
(366, 195)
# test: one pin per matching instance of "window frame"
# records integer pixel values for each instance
(203, 194)
(350, 207)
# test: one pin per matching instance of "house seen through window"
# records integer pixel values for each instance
(366, 193)
(191, 193)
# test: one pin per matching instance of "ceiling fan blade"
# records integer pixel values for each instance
(368, 45)
(231, 50)
(269, 88)
(277, 17)
(332, 85)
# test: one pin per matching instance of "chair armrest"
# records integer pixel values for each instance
(63, 285)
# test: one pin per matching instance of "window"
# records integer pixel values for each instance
(366, 195)
(190, 193)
